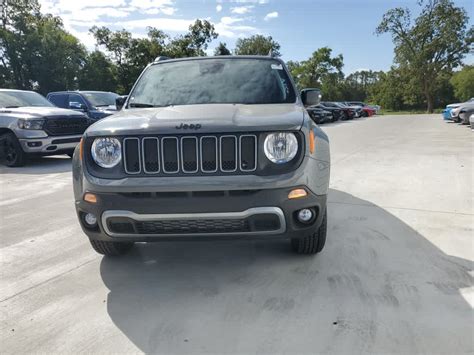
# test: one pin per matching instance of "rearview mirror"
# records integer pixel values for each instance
(310, 97)
(120, 101)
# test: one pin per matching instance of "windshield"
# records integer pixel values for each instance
(10, 99)
(99, 99)
(213, 81)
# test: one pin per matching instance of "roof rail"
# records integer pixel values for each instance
(160, 58)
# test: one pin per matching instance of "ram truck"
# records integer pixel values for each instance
(30, 125)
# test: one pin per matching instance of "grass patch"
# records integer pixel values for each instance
(408, 112)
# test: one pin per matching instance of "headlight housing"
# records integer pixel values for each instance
(280, 147)
(106, 152)
(36, 124)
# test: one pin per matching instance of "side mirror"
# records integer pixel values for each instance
(120, 101)
(310, 97)
(77, 106)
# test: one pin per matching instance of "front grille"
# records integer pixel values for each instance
(168, 155)
(193, 226)
(258, 223)
(66, 125)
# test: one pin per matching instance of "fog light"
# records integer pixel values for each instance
(305, 215)
(90, 219)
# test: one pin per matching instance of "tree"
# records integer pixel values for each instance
(431, 45)
(36, 51)
(98, 73)
(257, 45)
(194, 43)
(132, 55)
(322, 71)
(463, 83)
(221, 49)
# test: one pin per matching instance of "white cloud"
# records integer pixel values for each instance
(241, 10)
(219, 8)
(150, 4)
(271, 15)
(165, 24)
(230, 27)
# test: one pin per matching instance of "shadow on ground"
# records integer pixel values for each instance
(41, 165)
(379, 286)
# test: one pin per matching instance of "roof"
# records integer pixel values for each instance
(228, 57)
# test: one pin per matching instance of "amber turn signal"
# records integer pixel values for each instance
(91, 198)
(311, 141)
(297, 193)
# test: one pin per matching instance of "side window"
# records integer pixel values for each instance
(59, 100)
(75, 101)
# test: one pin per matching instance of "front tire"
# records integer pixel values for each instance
(111, 248)
(11, 152)
(313, 243)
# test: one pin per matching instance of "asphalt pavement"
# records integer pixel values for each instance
(396, 275)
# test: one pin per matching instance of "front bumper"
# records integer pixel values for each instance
(154, 216)
(50, 145)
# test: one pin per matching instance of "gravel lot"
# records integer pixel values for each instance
(396, 275)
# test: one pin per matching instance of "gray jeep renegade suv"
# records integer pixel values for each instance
(216, 147)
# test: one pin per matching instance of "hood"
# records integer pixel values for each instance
(454, 105)
(39, 112)
(459, 108)
(212, 118)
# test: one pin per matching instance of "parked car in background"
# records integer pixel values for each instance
(465, 112)
(471, 121)
(337, 113)
(318, 115)
(447, 112)
(349, 112)
(95, 104)
(456, 112)
(367, 110)
(31, 125)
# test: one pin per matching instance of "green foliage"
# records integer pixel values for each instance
(221, 49)
(431, 45)
(463, 83)
(322, 71)
(132, 55)
(36, 52)
(257, 45)
(98, 73)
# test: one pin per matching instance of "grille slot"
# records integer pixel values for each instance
(171, 155)
(169, 151)
(248, 152)
(151, 155)
(131, 155)
(228, 159)
(209, 154)
(189, 154)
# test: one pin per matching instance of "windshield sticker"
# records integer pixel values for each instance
(277, 66)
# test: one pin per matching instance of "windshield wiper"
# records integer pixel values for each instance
(104, 105)
(13, 106)
(137, 104)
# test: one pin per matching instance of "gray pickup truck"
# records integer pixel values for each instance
(31, 125)
(216, 147)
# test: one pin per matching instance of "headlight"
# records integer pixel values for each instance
(280, 148)
(106, 152)
(31, 124)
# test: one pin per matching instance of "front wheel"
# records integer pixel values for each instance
(111, 248)
(313, 243)
(11, 152)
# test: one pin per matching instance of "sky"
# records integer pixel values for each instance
(300, 26)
